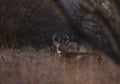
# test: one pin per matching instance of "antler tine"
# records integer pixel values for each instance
(67, 37)
(54, 35)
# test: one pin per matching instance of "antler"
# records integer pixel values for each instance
(53, 37)
(67, 37)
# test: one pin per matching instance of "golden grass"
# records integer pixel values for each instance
(27, 66)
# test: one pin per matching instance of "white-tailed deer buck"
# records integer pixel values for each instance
(60, 40)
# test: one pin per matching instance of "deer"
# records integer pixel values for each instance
(59, 41)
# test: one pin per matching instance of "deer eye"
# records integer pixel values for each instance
(57, 44)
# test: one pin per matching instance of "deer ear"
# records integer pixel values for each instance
(66, 41)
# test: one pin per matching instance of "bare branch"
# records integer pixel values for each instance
(107, 25)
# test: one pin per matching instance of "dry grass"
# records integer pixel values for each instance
(27, 66)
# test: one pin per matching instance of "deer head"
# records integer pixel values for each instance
(59, 41)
